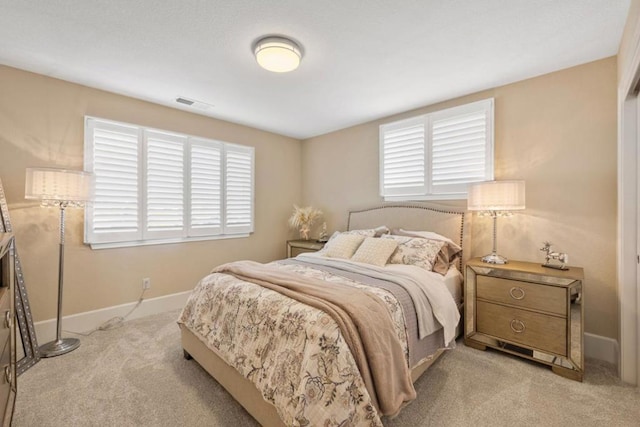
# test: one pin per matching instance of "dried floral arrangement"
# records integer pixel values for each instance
(303, 219)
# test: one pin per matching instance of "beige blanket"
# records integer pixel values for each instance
(363, 320)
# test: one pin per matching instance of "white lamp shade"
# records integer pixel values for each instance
(496, 196)
(277, 54)
(58, 184)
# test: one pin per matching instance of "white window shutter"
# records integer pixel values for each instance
(402, 158)
(437, 155)
(112, 155)
(164, 181)
(238, 176)
(154, 186)
(205, 188)
(461, 142)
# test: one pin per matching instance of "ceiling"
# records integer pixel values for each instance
(363, 59)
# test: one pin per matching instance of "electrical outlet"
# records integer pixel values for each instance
(146, 283)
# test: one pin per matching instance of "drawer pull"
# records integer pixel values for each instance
(7, 319)
(517, 326)
(7, 374)
(516, 293)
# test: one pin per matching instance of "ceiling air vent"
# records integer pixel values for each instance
(193, 103)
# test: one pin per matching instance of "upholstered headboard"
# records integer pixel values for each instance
(448, 222)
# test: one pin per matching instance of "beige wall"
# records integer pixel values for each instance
(557, 132)
(41, 124)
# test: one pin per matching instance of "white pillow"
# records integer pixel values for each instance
(381, 230)
(343, 245)
(375, 251)
(366, 232)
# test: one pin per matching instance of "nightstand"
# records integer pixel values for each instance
(296, 247)
(527, 310)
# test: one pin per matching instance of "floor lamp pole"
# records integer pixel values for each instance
(60, 345)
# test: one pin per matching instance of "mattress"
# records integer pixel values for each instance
(453, 281)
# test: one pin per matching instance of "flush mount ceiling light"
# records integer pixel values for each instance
(277, 54)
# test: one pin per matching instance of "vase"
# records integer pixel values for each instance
(304, 232)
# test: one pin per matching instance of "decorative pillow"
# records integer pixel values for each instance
(379, 231)
(335, 233)
(343, 245)
(448, 255)
(366, 232)
(415, 251)
(442, 264)
(369, 232)
(428, 235)
(375, 251)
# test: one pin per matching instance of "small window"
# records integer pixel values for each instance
(436, 155)
(154, 186)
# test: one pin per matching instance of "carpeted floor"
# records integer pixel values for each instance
(136, 376)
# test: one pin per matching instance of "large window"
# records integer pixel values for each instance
(153, 186)
(436, 155)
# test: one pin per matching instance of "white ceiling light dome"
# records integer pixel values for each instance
(277, 54)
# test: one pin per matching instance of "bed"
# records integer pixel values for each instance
(283, 358)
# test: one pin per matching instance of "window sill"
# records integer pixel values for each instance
(114, 245)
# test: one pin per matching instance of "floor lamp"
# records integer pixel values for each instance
(63, 189)
(496, 198)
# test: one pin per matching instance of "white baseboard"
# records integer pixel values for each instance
(601, 348)
(87, 321)
(595, 346)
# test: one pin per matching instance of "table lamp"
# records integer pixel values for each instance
(496, 198)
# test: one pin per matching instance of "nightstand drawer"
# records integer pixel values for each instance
(547, 333)
(5, 315)
(534, 296)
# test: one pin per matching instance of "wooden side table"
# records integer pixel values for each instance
(296, 247)
(528, 310)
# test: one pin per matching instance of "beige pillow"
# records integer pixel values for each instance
(375, 251)
(343, 245)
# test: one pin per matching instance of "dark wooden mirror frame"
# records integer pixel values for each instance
(23, 311)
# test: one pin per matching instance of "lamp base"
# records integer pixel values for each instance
(59, 347)
(494, 258)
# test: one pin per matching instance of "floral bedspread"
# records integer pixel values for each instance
(293, 353)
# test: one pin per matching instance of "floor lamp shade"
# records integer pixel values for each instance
(62, 188)
(496, 198)
(58, 185)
